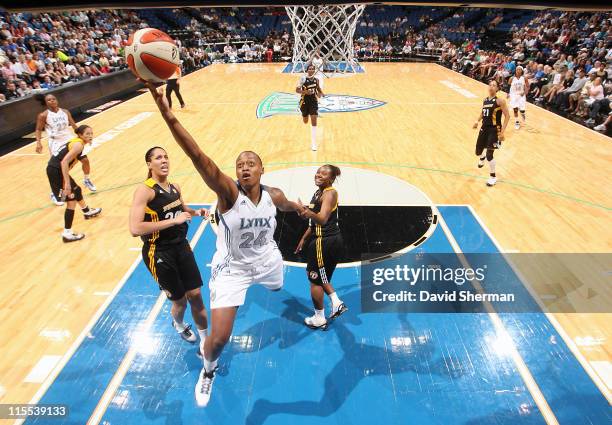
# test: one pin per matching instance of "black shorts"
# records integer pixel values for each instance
(309, 106)
(322, 256)
(487, 139)
(56, 181)
(173, 267)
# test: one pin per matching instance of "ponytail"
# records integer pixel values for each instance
(335, 171)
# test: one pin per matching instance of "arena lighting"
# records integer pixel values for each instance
(42, 5)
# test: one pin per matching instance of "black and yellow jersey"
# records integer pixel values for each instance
(164, 206)
(309, 83)
(56, 160)
(491, 112)
(330, 228)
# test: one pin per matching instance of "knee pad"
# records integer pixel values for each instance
(78, 194)
(490, 154)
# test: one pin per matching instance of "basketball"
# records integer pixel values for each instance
(152, 55)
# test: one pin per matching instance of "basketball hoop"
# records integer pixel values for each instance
(326, 29)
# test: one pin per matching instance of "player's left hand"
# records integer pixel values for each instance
(304, 209)
(501, 136)
(475, 125)
(202, 212)
(158, 95)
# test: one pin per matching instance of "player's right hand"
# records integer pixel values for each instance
(38, 147)
(299, 247)
(501, 136)
(66, 192)
(475, 125)
(182, 217)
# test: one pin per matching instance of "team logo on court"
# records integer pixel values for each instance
(288, 104)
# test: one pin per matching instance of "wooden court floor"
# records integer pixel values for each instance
(553, 194)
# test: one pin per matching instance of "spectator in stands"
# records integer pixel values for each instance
(2, 98)
(593, 93)
(11, 91)
(562, 98)
(24, 89)
(582, 94)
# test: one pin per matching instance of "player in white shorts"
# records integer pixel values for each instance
(57, 122)
(246, 251)
(519, 86)
(317, 61)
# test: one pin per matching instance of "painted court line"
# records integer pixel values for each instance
(597, 379)
(503, 334)
(42, 369)
(115, 382)
(77, 342)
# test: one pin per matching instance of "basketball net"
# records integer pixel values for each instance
(327, 30)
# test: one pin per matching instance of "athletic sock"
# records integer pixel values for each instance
(334, 299)
(86, 177)
(209, 365)
(85, 210)
(203, 333)
(313, 134)
(492, 166)
(320, 313)
(68, 218)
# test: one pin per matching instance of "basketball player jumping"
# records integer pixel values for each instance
(326, 249)
(492, 131)
(246, 251)
(310, 89)
(159, 216)
(64, 187)
(55, 121)
(519, 87)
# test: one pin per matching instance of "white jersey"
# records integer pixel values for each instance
(517, 86)
(245, 236)
(58, 130)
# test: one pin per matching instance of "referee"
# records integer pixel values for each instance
(173, 85)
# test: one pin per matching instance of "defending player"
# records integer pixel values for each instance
(492, 130)
(325, 249)
(159, 216)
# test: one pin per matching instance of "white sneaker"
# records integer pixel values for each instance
(338, 310)
(600, 127)
(93, 212)
(313, 146)
(491, 181)
(481, 163)
(69, 236)
(56, 201)
(89, 184)
(186, 333)
(316, 322)
(517, 125)
(203, 388)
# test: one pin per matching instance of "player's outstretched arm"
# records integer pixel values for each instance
(282, 203)
(220, 183)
